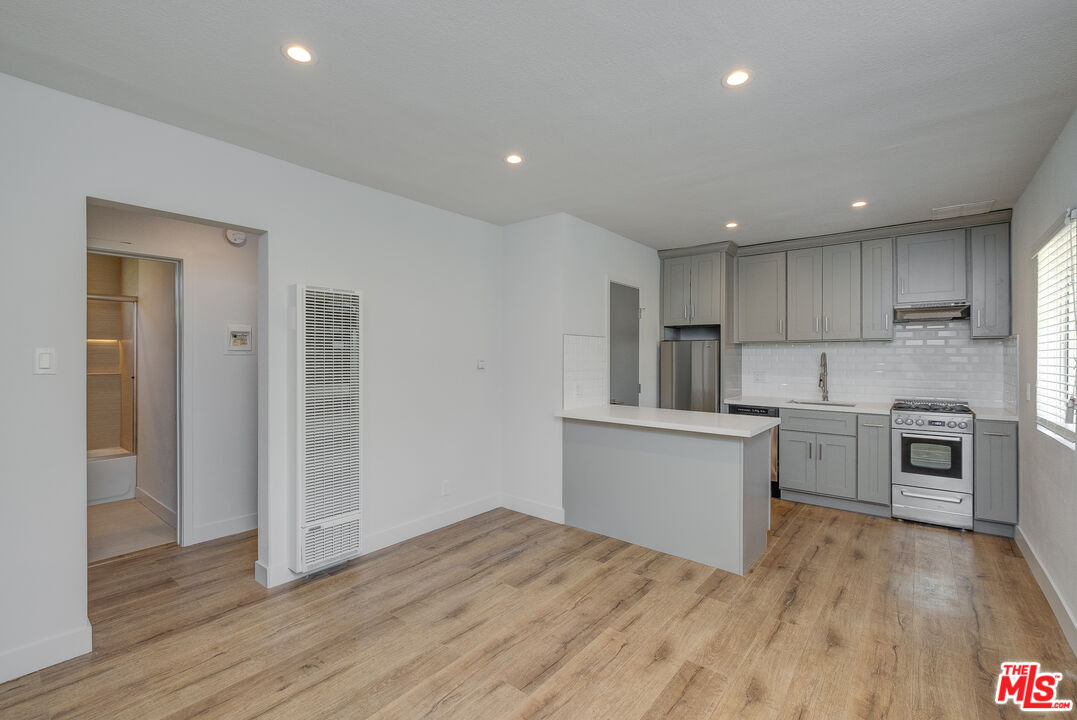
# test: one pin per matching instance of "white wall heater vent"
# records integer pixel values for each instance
(329, 364)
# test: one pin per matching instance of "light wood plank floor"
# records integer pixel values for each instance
(121, 527)
(508, 616)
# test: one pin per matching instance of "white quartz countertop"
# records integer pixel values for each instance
(863, 408)
(736, 426)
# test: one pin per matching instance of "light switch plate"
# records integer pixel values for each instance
(44, 361)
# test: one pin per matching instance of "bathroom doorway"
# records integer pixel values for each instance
(132, 423)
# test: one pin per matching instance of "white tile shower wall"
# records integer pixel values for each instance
(923, 360)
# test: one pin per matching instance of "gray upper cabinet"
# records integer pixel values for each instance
(692, 290)
(823, 293)
(931, 267)
(804, 294)
(841, 292)
(705, 299)
(995, 472)
(760, 305)
(877, 289)
(873, 459)
(990, 280)
(676, 290)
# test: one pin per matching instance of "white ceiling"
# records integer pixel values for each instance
(616, 105)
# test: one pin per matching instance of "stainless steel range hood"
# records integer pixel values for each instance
(919, 312)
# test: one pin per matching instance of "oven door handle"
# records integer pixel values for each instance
(932, 437)
(931, 497)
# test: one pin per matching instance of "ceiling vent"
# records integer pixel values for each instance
(952, 211)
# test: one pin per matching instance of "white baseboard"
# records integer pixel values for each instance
(1066, 617)
(155, 506)
(220, 528)
(414, 528)
(535, 509)
(278, 574)
(19, 661)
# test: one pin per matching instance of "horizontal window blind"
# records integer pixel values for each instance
(1056, 329)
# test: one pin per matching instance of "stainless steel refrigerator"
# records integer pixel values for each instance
(688, 375)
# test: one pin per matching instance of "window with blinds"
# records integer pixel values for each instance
(1056, 330)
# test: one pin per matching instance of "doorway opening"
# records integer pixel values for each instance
(172, 398)
(132, 311)
(624, 344)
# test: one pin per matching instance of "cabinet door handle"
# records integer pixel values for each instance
(826, 324)
(692, 316)
(820, 451)
(781, 326)
(994, 434)
(979, 318)
(886, 321)
(816, 324)
(684, 313)
(870, 425)
(809, 451)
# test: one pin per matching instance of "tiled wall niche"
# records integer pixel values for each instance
(923, 360)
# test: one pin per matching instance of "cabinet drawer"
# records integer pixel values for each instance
(997, 428)
(819, 421)
(932, 506)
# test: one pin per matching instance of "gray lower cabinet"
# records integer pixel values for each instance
(877, 289)
(796, 458)
(676, 290)
(760, 298)
(817, 452)
(873, 459)
(995, 472)
(835, 466)
(931, 267)
(989, 250)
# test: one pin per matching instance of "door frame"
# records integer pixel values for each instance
(638, 287)
(181, 496)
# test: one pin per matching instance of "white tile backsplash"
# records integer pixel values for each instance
(923, 360)
(585, 371)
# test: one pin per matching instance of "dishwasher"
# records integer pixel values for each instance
(760, 411)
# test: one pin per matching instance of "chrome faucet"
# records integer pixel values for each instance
(822, 378)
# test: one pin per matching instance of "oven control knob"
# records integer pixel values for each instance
(899, 421)
(962, 425)
(919, 421)
(951, 424)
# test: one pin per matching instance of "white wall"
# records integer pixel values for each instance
(432, 287)
(557, 272)
(1048, 493)
(156, 425)
(219, 286)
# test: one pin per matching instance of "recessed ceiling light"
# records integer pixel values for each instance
(299, 54)
(730, 225)
(860, 203)
(513, 159)
(736, 78)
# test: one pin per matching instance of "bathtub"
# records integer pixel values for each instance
(110, 478)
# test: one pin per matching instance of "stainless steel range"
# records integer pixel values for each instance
(932, 461)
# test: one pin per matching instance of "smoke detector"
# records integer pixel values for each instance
(236, 237)
(952, 211)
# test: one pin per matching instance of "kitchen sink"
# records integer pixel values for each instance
(822, 402)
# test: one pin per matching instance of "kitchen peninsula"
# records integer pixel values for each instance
(691, 484)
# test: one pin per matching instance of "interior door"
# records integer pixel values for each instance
(624, 344)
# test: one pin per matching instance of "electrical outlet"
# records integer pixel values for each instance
(444, 487)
